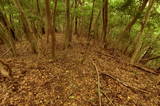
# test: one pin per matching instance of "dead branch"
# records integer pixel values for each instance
(124, 84)
(145, 69)
(5, 53)
(98, 78)
(110, 101)
(151, 58)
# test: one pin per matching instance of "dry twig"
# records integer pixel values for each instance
(98, 78)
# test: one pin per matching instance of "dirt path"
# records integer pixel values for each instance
(71, 79)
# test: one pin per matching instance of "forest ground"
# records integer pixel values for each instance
(71, 79)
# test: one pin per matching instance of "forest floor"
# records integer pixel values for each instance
(71, 78)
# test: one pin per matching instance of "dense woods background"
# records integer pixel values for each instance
(127, 28)
(128, 25)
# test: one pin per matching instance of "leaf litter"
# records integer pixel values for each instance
(71, 79)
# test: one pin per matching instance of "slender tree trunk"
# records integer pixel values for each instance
(68, 34)
(40, 22)
(10, 32)
(29, 33)
(54, 27)
(5, 21)
(91, 19)
(12, 28)
(105, 19)
(125, 34)
(71, 27)
(133, 21)
(51, 27)
(5, 36)
(76, 26)
(38, 8)
(76, 20)
(140, 34)
(48, 19)
(96, 24)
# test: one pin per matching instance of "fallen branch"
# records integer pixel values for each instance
(5, 52)
(151, 58)
(110, 101)
(143, 68)
(98, 78)
(124, 84)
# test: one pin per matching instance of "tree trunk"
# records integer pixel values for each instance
(68, 34)
(140, 34)
(105, 19)
(91, 19)
(48, 19)
(10, 34)
(38, 8)
(96, 24)
(71, 27)
(51, 27)
(5, 36)
(12, 28)
(40, 23)
(54, 27)
(76, 19)
(5, 21)
(133, 21)
(29, 33)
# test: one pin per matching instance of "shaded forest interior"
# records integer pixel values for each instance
(80, 52)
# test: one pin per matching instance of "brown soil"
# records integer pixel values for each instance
(71, 79)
